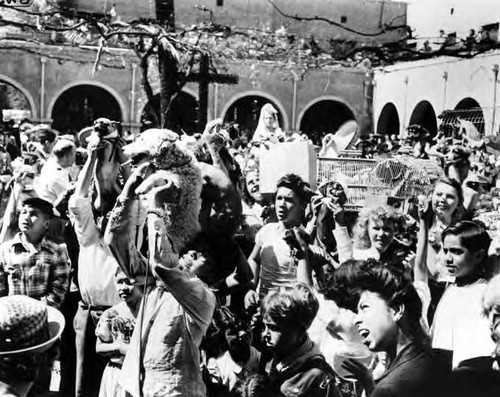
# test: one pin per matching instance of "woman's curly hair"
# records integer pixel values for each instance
(354, 277)
(382, 213)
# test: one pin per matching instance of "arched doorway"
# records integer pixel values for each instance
(14, 104)
(183, 113)
(245, 112)
(388, 121)
(79, 106)
(424, 115)
(469, 109)
(322, 117)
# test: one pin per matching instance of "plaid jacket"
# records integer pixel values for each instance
(42, 273)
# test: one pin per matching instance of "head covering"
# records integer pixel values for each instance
(27, 325)
(262, 132)
(41, 204)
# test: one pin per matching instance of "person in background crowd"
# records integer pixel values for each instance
(388, 320)
(374, 233)
(297, 366)
(29, 263)
(273, 261)
(114, 330)
(268, 128)
(58, 173)
(96, 270)
(481, 377)
(32, 265)
(459, 331)
(163, 358)
(43, 145)
(444, 209)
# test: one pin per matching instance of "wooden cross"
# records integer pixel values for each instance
(204, 78)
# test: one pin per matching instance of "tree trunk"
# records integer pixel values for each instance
(168, 67)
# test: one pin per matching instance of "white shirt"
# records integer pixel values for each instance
(54, 180)
(96, 264)
(459, 325)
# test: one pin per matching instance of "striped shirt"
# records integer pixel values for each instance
(40, 272)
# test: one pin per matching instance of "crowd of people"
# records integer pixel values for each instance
(155, 266)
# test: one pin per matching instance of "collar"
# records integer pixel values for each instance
(305, 351)
(20, 240)
(236, 368)
(408, 353)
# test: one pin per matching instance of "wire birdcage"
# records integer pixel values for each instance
(474, 115)
(404, 177)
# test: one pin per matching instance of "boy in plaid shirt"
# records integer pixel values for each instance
(29, 263)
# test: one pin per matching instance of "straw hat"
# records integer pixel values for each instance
(27, 325)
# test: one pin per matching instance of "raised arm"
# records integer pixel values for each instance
(196, 299)
(420, 271)
(118, 235)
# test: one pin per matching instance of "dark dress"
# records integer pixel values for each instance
(413, 373)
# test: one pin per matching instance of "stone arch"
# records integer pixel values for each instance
(388, 120)
(185, 117)
(24, 91)
(252, 114)
(324, 115)
(119, 111)
(424, 115)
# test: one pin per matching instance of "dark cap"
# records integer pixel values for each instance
(41, 204)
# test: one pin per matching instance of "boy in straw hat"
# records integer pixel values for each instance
(28, 331)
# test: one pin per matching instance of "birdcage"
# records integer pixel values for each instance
(404, 177)
(474, 115)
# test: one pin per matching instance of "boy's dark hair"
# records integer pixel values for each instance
(294, 307)
(471, 234)
(40, 204)
(296, 184)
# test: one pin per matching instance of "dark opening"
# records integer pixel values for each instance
(324, 117)
(424, 115)
(343, 19)
(388, 122)
(183, 114)
(246, 112)
(79, 106)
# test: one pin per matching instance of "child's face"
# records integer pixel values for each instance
(376, 322)
(126, 290)
(381, 233)
(460, 261)
(279, 339)
(444, 199)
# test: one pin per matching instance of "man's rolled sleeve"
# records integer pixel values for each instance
(80, 209)
(59, 283)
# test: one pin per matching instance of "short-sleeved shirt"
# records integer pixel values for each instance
(277, 266)
(40, 272)
(96, 264)
(459, 325)
(116, 323)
